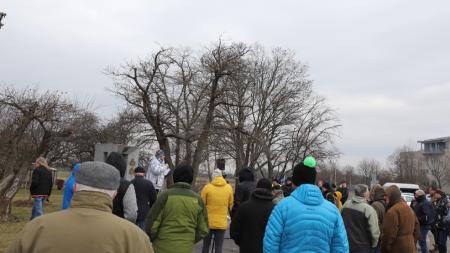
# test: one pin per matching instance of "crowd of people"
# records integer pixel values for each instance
(104, 212)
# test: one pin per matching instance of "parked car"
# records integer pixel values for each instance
(408, 197)
(404, 188)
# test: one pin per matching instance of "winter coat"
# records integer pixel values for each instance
(339, 200)
(361, 224)
(440, 212)
(379, 204)
(88, 226)
(344, 192)
(424, 212)
(248, 227)
(401, 229)
(145, 196)
(177, 220)
(156, 172)
(242, 193)
(305, 222)
(69, 187)
(41, 182)
(218, 199)
(125, 203)
(278, 196)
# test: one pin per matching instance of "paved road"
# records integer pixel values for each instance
(228, 245)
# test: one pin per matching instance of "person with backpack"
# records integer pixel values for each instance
(41, 186)
(125, 203)
(424, 213)
(145, 195)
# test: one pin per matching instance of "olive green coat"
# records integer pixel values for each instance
(177, 220)
(88, 226)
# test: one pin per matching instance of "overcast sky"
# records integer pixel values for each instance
(383, 65)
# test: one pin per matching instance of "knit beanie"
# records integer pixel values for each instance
(115, 159)
(98, 175)
(139, 169)
(305, 172)
(183, 173)
(264, 183)
(216, 173)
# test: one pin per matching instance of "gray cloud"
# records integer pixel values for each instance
(382, 64)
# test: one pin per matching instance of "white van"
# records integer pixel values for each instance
(404, 188)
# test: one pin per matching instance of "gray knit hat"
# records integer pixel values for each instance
(99, 175)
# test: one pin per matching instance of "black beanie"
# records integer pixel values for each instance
(304, 175)
(115, 159)
(183, 173)
(139, 169)
(264, 183)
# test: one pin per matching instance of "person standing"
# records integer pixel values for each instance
(424, 212)
(145, 195)
(361, 222)
(244, 189)
(178, 219)
(277, 193)
(157, 170)
(249, 225)
(124, 204)
(379, 205)
(41, 186)
(305, 221)
(287, 187)
(69, 186)
(344, 190)
(88, 225)
(218, 199)
(440, 220)
(400, 225)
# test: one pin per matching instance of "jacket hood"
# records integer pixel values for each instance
(246, 174)
(338, 195)
(378, 193)
(421, 198)
(308, 194)
(262, 194)
(358, 199)
(219, 181)
(115, 159)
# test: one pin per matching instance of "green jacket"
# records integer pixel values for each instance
(177, 220)
(88, 226)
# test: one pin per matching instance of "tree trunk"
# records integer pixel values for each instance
(9, 186)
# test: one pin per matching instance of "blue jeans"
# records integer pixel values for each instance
(141, 224)
(423, 240)
(442, 241)
(37, 210)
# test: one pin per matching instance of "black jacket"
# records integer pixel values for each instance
(249, 224)
(344, 192)
(41, 182)
(242, 193)
(287, 189)
(440, 213)
(145, 196)
(424, 212)
(118, 200)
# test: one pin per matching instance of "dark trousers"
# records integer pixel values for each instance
(219, 235)
(423, 239)
(141, 224)
(362, 251)
(442, 241)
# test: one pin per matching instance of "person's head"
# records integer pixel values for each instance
(432, 190)
(304, 173)
(419, 193)
(320, 183)
(438, 194)
(362, 190)
(264, 183)
(160, 154)
(98, 177)
(276, 188)
(289, 181)
(275, 181)
(116, 160)
(393, 195)
(139, 171)
(217, 173)
(183, 174)
(343, 184)
(326, 187)
(373, 191)
(41, 162)
(246, 174)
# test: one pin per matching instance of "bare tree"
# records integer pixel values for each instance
(367, 168)
(438, 166)
(407, 166)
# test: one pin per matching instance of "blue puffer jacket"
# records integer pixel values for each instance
(69, 187)
(305, 222)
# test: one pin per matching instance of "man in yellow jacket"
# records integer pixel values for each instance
(218, 199)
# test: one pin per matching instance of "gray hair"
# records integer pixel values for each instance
(420, 192)
(361, 190)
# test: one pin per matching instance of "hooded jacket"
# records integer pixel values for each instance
(305, 222)
(379, 204)
(156, 172)
(361, 224)
(249, 225)
(244, 189)
(69, 187)
(88, 226)
(424, 212)
(177, 220)
(339, 200)
(218, 199)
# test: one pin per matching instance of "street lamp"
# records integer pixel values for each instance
(2, 15)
